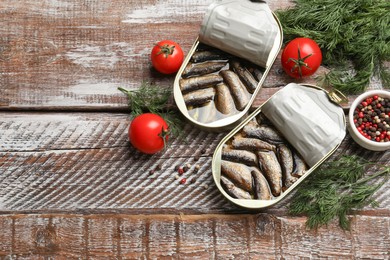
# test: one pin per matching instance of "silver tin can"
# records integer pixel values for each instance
(245, 29)
(227, 64)
(276, 147)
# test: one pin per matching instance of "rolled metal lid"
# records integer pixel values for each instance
(308, 119)
(243, 28)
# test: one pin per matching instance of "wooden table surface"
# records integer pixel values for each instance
(72, 187)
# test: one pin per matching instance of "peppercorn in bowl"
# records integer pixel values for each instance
(369, 120)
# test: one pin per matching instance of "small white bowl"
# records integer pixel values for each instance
(358, 137)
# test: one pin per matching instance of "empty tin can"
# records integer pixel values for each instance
(224, 70)
(275, 148)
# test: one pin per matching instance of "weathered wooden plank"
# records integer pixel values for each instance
(6, 235)
(231, 238)
(30, 132)
(61, 55)
(162, 238)
(249, 236)
(85, 160)
(132, 237)
(56, 54)
(196, 237)
(70, 236)
(373, 243)
(314, 244)
(34, 239)
(57, 161)
(264, 238)
(102, 239)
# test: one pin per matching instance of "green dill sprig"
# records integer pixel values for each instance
(150, 98)
(354, 35)
(336, 188)
(147, 98)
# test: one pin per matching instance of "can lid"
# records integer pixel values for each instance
(243, 28)
(312, 123)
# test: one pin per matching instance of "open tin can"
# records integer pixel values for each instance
(228, 63)
(276, 147)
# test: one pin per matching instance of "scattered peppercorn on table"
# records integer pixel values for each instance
(72, 186)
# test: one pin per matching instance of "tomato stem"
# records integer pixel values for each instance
(166, 49)
(164, 134)
(299, 62)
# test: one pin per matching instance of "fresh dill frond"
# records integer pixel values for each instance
(150, 98)
(147, 98)
(336, 188)
(348, 32)
(346, 82)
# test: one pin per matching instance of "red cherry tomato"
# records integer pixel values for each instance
(148, 133)
(167, 57)
(301, 57)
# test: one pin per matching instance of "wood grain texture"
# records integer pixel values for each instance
(190, 237)
(58, 55)
(76, 54)
(79, 161)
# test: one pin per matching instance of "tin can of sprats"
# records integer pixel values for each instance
(275, 148)
(223, 72)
